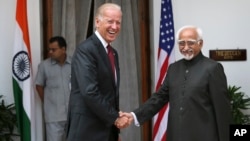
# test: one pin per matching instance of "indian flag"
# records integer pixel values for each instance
(22, 74)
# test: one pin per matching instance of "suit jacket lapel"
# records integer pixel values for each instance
(104, 55)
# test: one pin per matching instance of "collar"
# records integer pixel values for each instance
(196, 59)
(68, 60)
(104, 43)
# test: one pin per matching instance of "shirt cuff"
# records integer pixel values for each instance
(135, 120)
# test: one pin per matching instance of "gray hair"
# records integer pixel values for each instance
(100, 10)
(197, 29)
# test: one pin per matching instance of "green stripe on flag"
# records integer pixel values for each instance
(22, 118)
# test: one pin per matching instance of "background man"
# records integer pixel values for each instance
(53, 86)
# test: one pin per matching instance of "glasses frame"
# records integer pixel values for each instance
(183, 43)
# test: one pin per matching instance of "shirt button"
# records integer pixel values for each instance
(187, 71)
(181, 108)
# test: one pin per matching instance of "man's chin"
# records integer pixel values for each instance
(111, 37)
(188, 57)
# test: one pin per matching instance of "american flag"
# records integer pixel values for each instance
(165, 57)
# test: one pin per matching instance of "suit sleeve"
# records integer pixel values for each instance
(153, 105)
(84, 66)
(220, 100)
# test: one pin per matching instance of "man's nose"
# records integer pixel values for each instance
(114, 25)
(186, 46)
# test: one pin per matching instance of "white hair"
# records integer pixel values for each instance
(197, 29)
(100, 10)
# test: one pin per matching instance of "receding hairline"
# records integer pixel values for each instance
(100, 10)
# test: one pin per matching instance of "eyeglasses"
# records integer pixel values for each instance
(52, 49)
(182, 43)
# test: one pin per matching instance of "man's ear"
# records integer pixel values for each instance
(200, 42)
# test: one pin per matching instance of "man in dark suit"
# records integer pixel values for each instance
(94, 98)
(196, 89)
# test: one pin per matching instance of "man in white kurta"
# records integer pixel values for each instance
(53, 86)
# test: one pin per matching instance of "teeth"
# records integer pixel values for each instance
(111, 32)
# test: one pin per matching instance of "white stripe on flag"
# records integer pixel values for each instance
(162, 127)
(26, 86)
(161, 59)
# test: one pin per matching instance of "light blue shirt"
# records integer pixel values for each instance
(55, 79)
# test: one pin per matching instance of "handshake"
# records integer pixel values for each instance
(124, 120)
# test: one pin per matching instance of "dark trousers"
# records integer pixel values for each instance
(114, 134)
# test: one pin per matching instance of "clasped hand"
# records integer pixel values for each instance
(124, 120)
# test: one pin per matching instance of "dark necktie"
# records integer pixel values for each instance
(111, 59)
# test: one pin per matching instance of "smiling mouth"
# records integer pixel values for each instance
(111, 32)
(187, 51)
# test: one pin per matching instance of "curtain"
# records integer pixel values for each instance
(73, 19)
